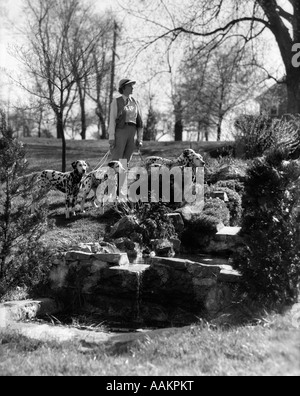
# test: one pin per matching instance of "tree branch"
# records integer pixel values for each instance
(284, 14)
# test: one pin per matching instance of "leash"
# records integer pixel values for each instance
(98, 166)
(101, 162)
(140, 155)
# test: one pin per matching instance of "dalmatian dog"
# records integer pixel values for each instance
(66, 182)
(189, 158)
(94, 179)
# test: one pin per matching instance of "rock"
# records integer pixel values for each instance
(109, 248)
(176, 244)
(217, 298)
(225, 241)
(230, 172)
(125, 226)
(156, 291)
(112, 258)
(219, 194)
(128, 246)
(58, 275)
(16, 311)
(77, 255)
(163, 247)
(177, 221)
(97, 247)
(136, 237)
(189, 211)
(82, 247)
(124, 244)
(46, 333)
(229, 275)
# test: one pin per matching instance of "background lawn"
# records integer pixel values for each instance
(89, 227)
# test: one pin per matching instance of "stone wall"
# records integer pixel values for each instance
(162, 290)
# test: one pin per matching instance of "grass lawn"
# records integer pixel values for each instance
(46, 154)
(271, 348)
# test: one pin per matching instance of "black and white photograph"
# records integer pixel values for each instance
(149, 191)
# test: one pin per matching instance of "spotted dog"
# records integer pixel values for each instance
(94, 179)
(68, 183)
(189, 158)
(155, 161)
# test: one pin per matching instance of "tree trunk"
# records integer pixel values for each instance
(59, 126)
(285, 43)
(178, 130)
(293, 91)
(178, 121)
(61, 133)
(219, 132)
(81, 93)
(83, 116)
(199, 132)
(63, 153)
(102, 122)
(219, 127)
(113, 65)
(206, 135)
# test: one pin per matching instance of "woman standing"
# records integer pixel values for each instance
(125, 123)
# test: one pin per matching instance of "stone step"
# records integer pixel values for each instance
(228, 274)
(228, 235)
(229, 231)
(224, 241)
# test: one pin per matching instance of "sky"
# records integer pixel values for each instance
(11, 17)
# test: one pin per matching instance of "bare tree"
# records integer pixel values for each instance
(52, 58)
(150, 130)
(212, 84)
(87, 48)
(215, 20)
(99, 85)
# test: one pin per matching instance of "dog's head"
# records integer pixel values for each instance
(191, 159)
(153, 162)
(116, 166)
(80, 167)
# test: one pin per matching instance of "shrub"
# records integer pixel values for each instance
(203, 226)
(234, 185)
(20, 232)
(152, 219)
(217, 208)
(258, 134)
(225, 168)
(228, 150)
(234, 203)
(154, 222)
(270, 254)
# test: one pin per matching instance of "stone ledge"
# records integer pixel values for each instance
(16, 311)
(112, 258)
(229, 231)
(229, 276)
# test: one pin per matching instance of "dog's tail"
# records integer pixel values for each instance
(31, 177)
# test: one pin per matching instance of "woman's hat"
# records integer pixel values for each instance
(125, 81)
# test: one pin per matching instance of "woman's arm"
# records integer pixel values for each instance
(112, 119)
